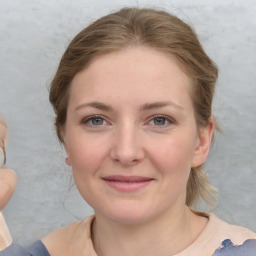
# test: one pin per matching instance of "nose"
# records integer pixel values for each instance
(127, 148)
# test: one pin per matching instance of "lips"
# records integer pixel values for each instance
(127, 183)
(127, 178)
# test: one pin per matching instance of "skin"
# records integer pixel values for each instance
(8, 178)
(8, 181)
(144, 126)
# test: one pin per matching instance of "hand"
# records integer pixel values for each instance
(8, 181)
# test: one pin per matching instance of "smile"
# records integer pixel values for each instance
(127, 183)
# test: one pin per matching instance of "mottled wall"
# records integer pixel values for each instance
(33, 36)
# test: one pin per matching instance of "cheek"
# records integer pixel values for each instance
(175, 161)
(86, 154)
(173, 156)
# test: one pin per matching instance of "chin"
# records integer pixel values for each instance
(127, 214)
(131, 219)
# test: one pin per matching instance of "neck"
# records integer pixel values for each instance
(164, 236)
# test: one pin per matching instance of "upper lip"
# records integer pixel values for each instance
(122, 178)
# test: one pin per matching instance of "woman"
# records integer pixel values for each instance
(132, 97)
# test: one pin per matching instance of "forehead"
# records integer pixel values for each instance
(141, 71)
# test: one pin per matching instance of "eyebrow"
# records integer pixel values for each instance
(147, 106)
(160, 104)
(95, 104)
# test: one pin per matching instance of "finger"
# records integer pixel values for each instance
(8, 181)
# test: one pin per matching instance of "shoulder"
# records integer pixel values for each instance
(236, 240)
(236, 234)
(227, 239)
(227, 248)
(69, 240)
(36, 249)
(220, 238)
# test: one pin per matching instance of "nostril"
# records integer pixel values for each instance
(126, 159)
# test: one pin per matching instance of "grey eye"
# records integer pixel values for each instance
(97, 121)
(159, 121)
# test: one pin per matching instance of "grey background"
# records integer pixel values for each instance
(33, 36)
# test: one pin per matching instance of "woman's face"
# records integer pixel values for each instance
(131, 136)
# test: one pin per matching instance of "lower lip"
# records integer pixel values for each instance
(127, 186)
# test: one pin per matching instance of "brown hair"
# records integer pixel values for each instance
(157, 29)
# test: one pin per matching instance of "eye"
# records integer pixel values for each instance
(161, 120)
(94, 121)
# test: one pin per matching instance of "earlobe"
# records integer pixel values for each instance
(204, 143)
(68, 161)
(65, 146)
(67, 154)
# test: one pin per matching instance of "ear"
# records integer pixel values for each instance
(203, 144)
(63, 138)
(68, 161)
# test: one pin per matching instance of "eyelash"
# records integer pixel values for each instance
(90, 118)
(152, 118)
(166, 118)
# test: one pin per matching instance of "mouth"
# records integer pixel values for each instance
(127, 183)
